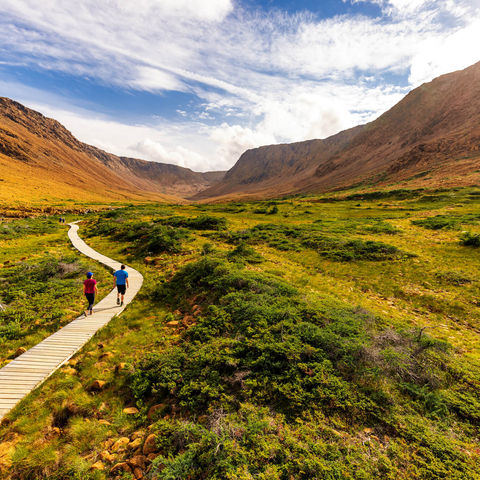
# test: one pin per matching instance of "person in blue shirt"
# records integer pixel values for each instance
(121, 282)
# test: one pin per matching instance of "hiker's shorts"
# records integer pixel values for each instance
(121, 289)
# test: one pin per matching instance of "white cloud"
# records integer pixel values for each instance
(154, 150)
(453, 52)
(153, 79)
(275, 77)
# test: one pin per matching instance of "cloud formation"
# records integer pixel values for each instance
(259, 77)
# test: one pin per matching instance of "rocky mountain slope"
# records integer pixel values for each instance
(430, 138)
(40, 158)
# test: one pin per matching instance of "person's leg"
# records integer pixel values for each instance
(121, 290)
(88, 296)
(91, 300)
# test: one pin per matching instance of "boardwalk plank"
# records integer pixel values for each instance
(26, 372)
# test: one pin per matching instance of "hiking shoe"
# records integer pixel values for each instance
(121, 304)
(85, 312)
(91, 312)
(118, 301)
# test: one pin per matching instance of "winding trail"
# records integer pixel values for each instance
(32, 368)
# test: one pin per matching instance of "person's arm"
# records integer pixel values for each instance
(126, 282)
(114, 281)
(96, 289)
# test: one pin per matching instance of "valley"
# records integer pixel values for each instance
(332, 335)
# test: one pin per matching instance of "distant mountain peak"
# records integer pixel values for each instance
(40, 157)
(431, 137)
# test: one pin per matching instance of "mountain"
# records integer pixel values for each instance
(41, 159)
(430, 138)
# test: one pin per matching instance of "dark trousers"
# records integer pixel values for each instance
(91, 300)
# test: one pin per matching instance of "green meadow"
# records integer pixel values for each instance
(303, 338)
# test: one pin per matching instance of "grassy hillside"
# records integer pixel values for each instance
(305, 338)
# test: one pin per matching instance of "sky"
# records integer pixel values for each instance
(197, 82)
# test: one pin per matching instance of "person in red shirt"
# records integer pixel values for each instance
(90, 289)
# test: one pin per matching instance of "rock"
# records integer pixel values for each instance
(105, 355)
(177, 313)
(104, 422)
(148, 260)
(130, 410)
(73, 361)
(138, 472)
(97, 385)
(121, 444)
(107, 456)
(138, 461)
(69, 370)
(98, 466)
(137, 434)
(121, 467)
(368, 430)
(108, 443)
(188, 319)
(173, 324)
(152, 456)
(135, 444)
(20, 350)
(150, 445)
(120, 366)
(155, 409)
(56, 430)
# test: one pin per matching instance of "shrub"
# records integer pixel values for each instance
(470, 239)
(203, 222)
(146, 238)
(447, 222)
(245, 253)
(24, 227)
(438, 222)
(258, 340)
(352, 250)
(298, 237)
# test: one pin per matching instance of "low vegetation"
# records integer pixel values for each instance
(314, 340)
(41, 291)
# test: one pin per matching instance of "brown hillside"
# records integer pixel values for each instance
(40, 159)
(430, 138)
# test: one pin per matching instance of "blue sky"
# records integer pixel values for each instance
(196, 83)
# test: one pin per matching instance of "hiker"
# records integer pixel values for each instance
(121, 282)
(90, 289)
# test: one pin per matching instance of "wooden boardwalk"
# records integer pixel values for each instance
(29, 370)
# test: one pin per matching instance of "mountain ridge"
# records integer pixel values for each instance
(37, 153)
(413, 143)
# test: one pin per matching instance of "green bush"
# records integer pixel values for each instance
(447, 222)
(352, 250)
(145, 238)
(203, 222)
(257, 340)
(311, 236)
(23, 227)
(470, 239)
(438, 222)
(244, 253)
